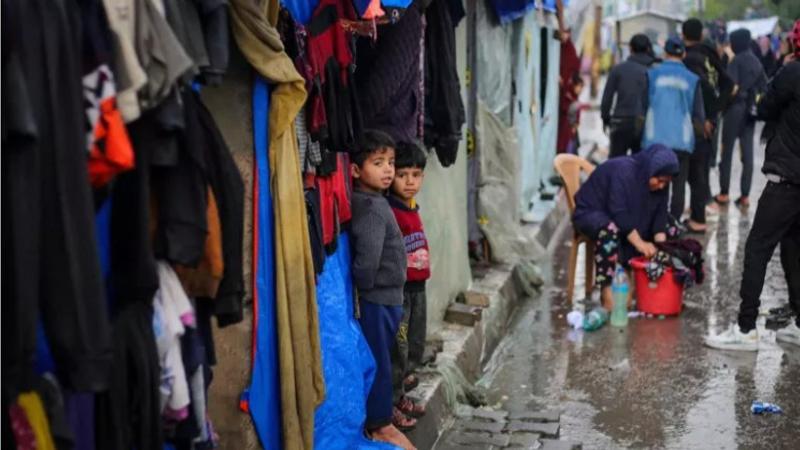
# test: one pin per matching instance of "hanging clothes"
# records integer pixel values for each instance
(50, 250)
(128, 415)
(444, 108)
(388, 77)
(302, 385)
(110, 150)
(334, 117)
(31, 404)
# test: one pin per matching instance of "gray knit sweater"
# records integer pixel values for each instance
(379, 256)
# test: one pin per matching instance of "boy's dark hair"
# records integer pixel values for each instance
(577, 79)
(409, 156)
(370, 142)
(693, 30)
(640, 43)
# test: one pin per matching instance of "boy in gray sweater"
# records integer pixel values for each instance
(379, 273)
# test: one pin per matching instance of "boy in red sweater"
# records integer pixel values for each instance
(410, 162)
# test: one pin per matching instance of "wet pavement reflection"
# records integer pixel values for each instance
(653, 384)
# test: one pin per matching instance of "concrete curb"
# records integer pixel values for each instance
(468, 348)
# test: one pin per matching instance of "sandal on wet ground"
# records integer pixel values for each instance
(721, 202)
(410, 408)
(401, 421)
(742, 202)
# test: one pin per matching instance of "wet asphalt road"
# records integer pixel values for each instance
(654, 384)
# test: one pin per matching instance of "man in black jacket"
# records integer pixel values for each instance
(778, 213)
(627, 83)
(717, 88)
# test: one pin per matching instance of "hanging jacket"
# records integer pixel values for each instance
(780, 108)
(51, 268)
(333, 115)
(675, 107)
(388, 77)
(444, 108)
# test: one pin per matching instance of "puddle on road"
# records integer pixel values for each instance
(653, 384)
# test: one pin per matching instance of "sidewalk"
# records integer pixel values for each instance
(449, 380)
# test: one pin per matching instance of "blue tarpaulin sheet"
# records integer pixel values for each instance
(347, 363)
(264, 393)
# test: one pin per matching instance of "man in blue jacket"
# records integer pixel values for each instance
(674, 114)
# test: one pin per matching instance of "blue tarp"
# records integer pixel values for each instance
(347, 363)
(264, 393)
(508, 10)
(301, 10)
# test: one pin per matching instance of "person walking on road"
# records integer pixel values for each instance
(674, 116)
(777, 218)
(625, 99)
(716, 88)
(746, 71)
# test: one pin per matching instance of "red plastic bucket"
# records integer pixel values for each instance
(662, 297)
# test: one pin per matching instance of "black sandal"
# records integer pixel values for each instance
(721, 202)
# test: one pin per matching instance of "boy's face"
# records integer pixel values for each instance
(377, 172)
(407, 182)
(577, 88)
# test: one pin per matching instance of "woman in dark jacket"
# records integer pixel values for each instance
(623, 207)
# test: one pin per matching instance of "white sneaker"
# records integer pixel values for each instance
(734, 339)
(789, 334)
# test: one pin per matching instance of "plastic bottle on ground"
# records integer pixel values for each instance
(595, 319)
(619, 289)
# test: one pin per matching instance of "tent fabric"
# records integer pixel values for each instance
(494, 57)
(264, 391)
(301, 10)
(526, 51)
(549, 128)
(347, 363)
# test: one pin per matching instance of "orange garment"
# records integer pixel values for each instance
(111, 152)
(203, 280)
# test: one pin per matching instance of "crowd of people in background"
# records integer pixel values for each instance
(669, 113)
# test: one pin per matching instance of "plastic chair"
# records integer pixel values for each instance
(569, 168)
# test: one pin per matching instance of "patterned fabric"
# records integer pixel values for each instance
(21, 427)
(606, 254)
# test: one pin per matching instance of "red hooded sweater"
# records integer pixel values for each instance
(419, 266)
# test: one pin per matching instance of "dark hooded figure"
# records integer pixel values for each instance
(623, 207)
(748, 75)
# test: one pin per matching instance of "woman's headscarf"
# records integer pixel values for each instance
(795, 34)
(656, 161)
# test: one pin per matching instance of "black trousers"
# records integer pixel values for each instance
(624, 136)
(790, 261)
(694, 170)
(776, 219)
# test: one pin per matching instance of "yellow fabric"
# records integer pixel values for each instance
(302, 383)
(34, 410)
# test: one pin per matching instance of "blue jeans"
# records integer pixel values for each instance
(737, 125)
(379, 323)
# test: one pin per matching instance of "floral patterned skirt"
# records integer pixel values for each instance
(606, 254)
